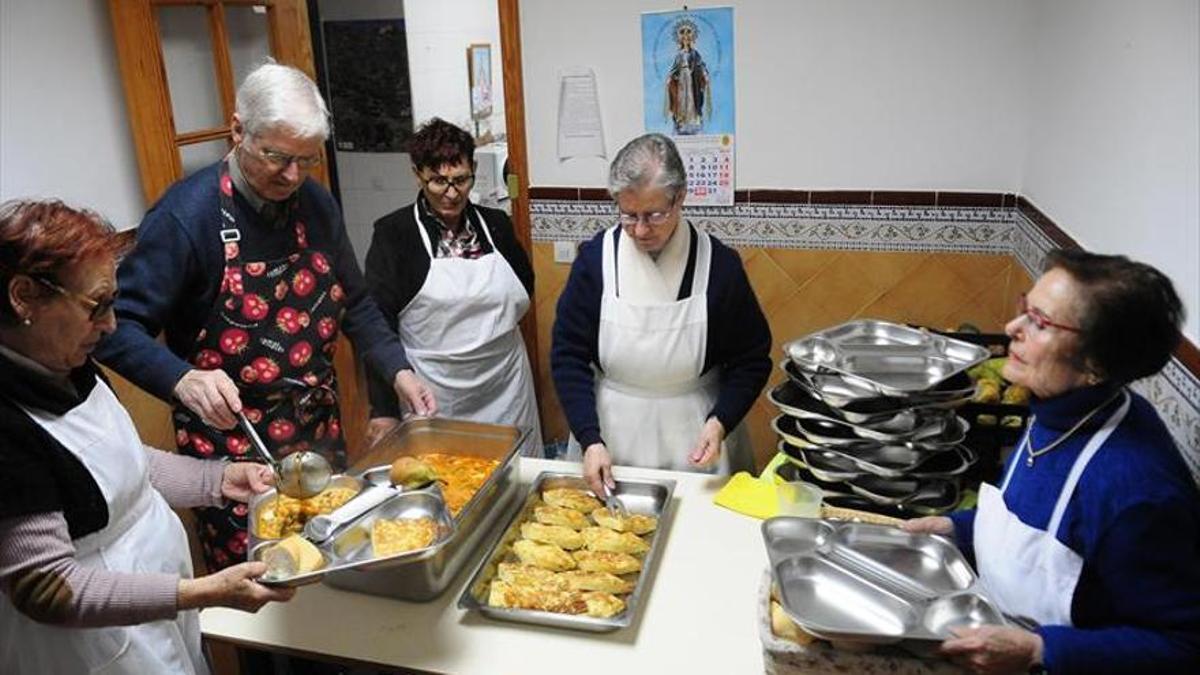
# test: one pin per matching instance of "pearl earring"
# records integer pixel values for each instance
(27, 321)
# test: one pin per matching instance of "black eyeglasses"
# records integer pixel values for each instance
(438, 184)
(96, 309)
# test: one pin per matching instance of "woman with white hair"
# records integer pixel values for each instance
(246, 268)
(660, 347)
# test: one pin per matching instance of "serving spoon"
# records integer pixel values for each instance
(301, 474)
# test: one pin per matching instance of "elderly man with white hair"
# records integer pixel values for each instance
(246, 269)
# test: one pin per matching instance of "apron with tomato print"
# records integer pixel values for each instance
(273, 329)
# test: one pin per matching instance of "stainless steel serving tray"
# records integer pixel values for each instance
(892, 358)
(790, 398)
(424, 577)
(870, 583)
(858, 402)
(650, 497)
(350, 549)
(939, 434)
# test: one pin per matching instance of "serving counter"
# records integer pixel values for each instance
(700, 614)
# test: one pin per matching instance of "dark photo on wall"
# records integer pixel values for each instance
(369, 92)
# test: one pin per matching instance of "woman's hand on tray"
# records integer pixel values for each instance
(231, 587)
(597, 468)
(243, 480)
(929, 525)
(994, 649)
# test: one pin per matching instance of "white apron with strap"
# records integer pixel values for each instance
(651, 398)
(462, 336)
(1027, 571)
(143, 535)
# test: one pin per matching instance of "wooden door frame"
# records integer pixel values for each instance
(518, 160)
(147, 94)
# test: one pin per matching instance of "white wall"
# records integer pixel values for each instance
(438, 34)
(1114, 152)
(921, 94)
(63, 127)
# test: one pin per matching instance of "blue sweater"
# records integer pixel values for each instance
(169, 282)
(1134, 518)
(739, 339)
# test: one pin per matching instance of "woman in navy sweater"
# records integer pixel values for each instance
(660, 347)
(1094, 533)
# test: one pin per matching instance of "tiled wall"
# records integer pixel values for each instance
(814, 265)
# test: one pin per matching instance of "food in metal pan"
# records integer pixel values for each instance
(570, 498)
(604, 539)
(281, 515)
(546, 556)
(578, 580)
(607, 561)
(592, 603)
(461, 476)
(518, 574)
(390, 537)
(557, 515)
(563, 537)
(634, 522)
(291, 556)
(412, 473)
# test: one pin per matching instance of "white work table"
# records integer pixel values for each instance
(699, 616)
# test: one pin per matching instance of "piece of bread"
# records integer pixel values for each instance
(557, 515)
(578, 580)
(603, 605)
(634, 522)
(563, 537)
(604, 539)
(504, 594)
(570, 498)
(545, 556)
(531, 576)
(607, 561)
(292, 556)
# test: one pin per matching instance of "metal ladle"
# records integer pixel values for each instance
(301, 474)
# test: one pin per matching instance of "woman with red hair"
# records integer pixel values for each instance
(87, 535)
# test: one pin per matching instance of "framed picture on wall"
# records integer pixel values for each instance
(479, 74)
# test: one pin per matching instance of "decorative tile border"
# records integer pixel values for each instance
(1174, 392)
(865, 228)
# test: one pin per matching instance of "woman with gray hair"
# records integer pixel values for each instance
(660, 347)
(247, 269)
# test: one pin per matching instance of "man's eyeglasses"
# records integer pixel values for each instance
(282, 160)
(438, 184)
(1037, 318)
(96, 309)
(654, 218)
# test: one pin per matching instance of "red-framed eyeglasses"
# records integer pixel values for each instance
(1037, 318)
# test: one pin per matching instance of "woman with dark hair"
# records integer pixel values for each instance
(454, 282)
(94, 566)
(1094, 533)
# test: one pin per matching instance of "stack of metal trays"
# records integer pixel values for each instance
(345, 544)
(867, 410)
(860, 582)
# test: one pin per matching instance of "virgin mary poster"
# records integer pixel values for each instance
(687, 71)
